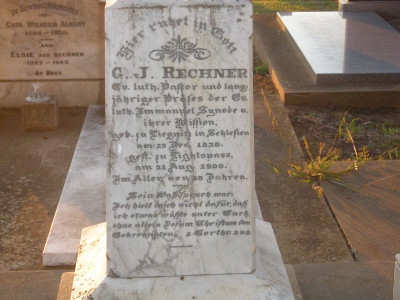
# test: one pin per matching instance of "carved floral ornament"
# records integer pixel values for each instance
(179, 49)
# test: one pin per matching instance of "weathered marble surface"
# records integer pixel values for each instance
(346, 46)
(82, 202)
(51, 40)
(180, 167)
(269, 281)
(64, 236)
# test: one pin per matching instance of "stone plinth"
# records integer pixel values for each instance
(346, 47)
(82, 201)
(40, 116)
(269, 281)
(396, 286)
(294, 82)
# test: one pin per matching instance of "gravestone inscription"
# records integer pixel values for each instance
(51, 40)
(180, 175)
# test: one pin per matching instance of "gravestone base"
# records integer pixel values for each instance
(40, 116)
(357, 50)
(269, 281)
(396, 285)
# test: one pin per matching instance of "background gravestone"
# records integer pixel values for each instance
(59, 43)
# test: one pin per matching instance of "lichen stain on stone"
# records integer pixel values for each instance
(111, 273)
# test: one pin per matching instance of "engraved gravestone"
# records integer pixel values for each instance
(180, 168)
(58, 42)
(50, 40)
(179, 139)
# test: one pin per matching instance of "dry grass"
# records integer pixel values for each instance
(273, 6)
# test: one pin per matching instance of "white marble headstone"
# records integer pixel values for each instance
(180, 167)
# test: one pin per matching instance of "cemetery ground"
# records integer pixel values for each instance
(33, 168)
(273, 6)
(342, 244)
(338, 238)
(375, 130)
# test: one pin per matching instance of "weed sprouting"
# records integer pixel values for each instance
(261, 69)
(318, 168)
(389, 131)
(350, 128)
(391, 154)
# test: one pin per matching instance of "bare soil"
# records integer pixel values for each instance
(375, 129)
